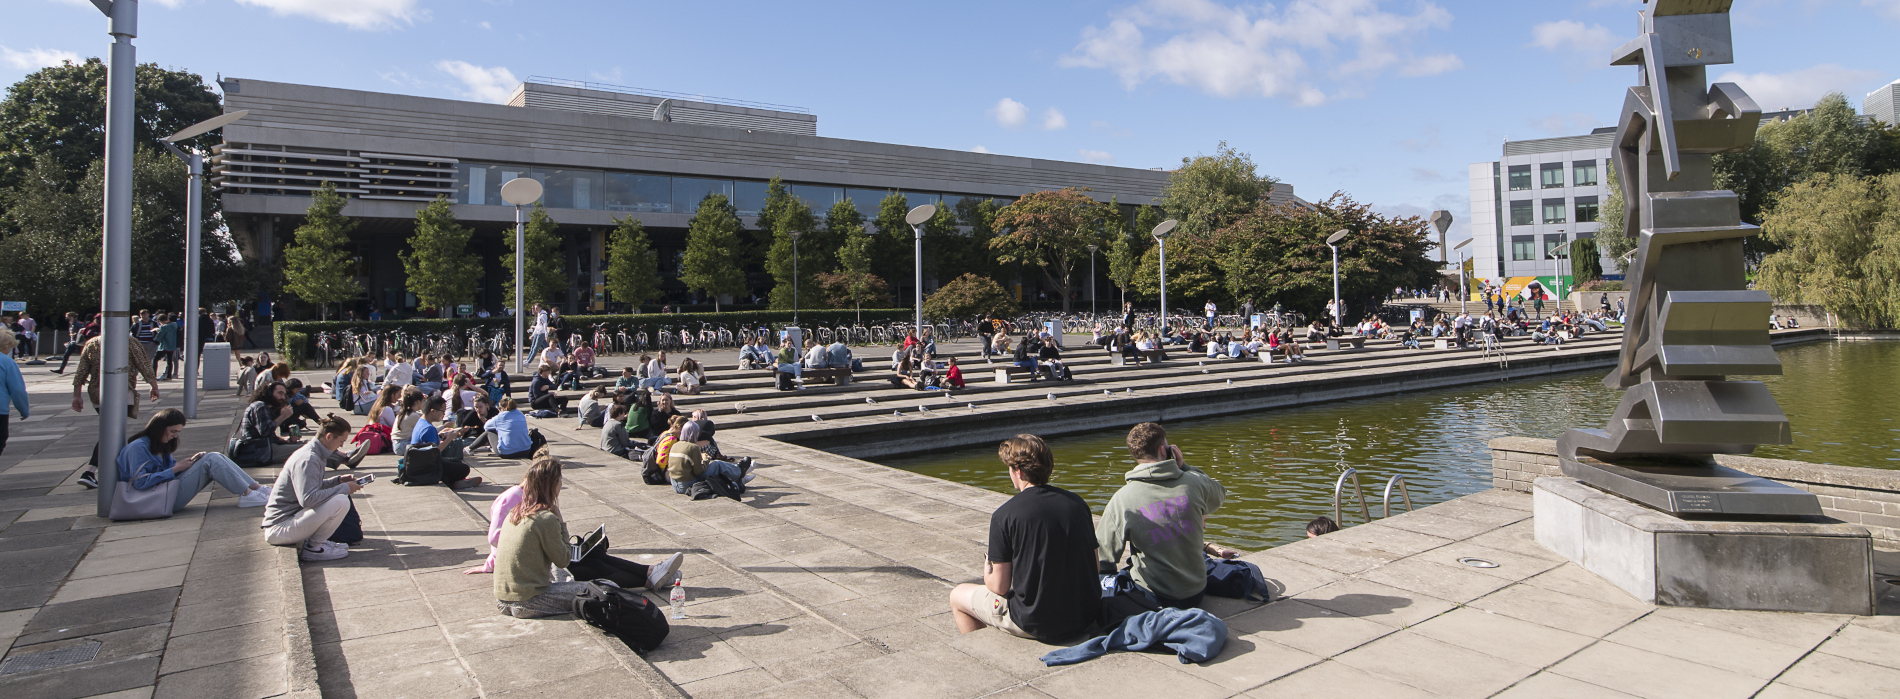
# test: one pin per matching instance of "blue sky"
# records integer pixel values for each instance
(1388, 101)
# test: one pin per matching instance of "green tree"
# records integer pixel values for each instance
(783, 215)
(1828, 139)
(891, 254)
(60, 111)
(1840, 247)
(542, 268)
(1610, 234)
(976, 256)
(633, 269)
(1208, 191)
(53, 262)
(968, 296)
(317, 268)
(712, 263)
(441, 271)
(1051, 229)
(1126, 246)
(1585, 264)
(853, 284)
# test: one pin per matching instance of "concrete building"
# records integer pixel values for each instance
(601, 152)
(1540, 194)
(1883, 103)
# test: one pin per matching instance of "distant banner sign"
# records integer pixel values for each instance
(12, 306)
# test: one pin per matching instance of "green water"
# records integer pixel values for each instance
(1279, 465)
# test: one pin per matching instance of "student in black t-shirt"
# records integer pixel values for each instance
(1039, 579)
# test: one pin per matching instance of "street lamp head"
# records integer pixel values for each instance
(1462, 245)
(1164, 229)
(1093, 248)
(919, 215)
(795, 235)
(1337, 236)
(521, 191)
(207, 125)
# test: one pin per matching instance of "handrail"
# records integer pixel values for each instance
(1365, 513)
(1403, 492)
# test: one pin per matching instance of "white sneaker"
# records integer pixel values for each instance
(661, 575)
(747, 478)
(255, 497)
(321, 551)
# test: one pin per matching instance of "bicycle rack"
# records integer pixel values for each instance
(1403, 492)
(1339, 485)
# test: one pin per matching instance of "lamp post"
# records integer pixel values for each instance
(1092, 249)
(794, 235)
(1557, 255)
(1161, 233)
(194, 243)
(115, 292)
(1463, 295)
(1332, 241)
(520, 191)
(916, 219)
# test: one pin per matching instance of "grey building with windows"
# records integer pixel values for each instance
(601, 152)
(1540, 194)
(1883, 103)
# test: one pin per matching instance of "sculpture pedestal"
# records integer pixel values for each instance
(1811, 564)
(1691, 486)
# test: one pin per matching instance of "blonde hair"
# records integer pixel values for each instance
(540, 489)
(7, 340)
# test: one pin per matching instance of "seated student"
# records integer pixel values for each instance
(655, 368)
(476, 414)
(1321, 526)
(400, 373)
(584, 361)
(691, 377)
(400, 436)
(639, 422)
(593, 409)
(247, 376)
(383, 411)
(755, 355)
(363, 385)
(551, 356)
(816, 356)
(259, 443)
(429, 374)
(463, 394)
(305, 509)
(1024, 356)
(146, 462)
(1161, 513)
(687, 463)
(627, 380)
(509, 432)
(839, 355)
(1049, 358)
(529, 539)
(613, 433)
(1039, 575)
(953, 375)
(302, 413)
(541, 395)
(485, 364)
(788, 360)
(451, 443)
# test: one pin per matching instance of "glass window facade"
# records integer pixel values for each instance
(749, 197)
(1583, 173)
(820, 198)
(1523, 247)
(1552, 174)
(639, 193)
(867, 200)
(1554, 211)
(564, 188)
(1551, 241)
(1521, 213)
(1586, 209)
(913, 200)
(1520, 177)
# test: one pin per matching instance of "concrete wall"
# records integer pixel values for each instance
(1866, 496)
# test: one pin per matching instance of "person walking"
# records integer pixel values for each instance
(986, 330)
(12, 387)
(167, 339)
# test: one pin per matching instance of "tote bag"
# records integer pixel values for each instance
(129, 503)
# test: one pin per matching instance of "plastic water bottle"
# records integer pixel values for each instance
(679, 599)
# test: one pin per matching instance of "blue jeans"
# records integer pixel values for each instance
(540, 343)
(654, 384)
(210, 467)
(430, 387)
(725, 468)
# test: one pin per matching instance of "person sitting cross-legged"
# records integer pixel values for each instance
(510, 435)
(687, 461)
(1161, 514)
(451, 443)
(1039, 576)
(613, 432)
(529, 541)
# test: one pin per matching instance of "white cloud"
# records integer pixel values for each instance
(1890, 8)
(355, 14)
(1099, 157)
(1052, 120)
(484, 25)
(36, 58)
(1801, 88)
(979, 149)
(1571, 124)
(1009, 113)
(1260, 50)
(1571, 35)
(484, 84)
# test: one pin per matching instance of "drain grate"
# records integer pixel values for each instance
(1477, 562)
(70, 655)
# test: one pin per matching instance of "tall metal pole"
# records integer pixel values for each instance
(1163, 250)
(115, 294)
(1335, 284)
(919, 327)
(520, 313)
(1463, 295)
(1091, 281)
(794, 281)
(194, 254)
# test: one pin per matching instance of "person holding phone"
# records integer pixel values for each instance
(1160, 514)
(452, 442)
(306, 508)
(147, 462)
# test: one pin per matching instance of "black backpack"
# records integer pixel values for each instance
(632, 617)
(345, 398)
(1238, 580)
(421, 465)
(652, 472)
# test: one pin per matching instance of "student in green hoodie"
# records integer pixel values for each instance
(1160, 517)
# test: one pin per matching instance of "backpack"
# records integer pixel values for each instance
(651, 472)
(421, 465)
(630, 616)
(1237, 579)
(249, 453)
(1122, 597)
(700, 490)
(346, 399)
(724, 487)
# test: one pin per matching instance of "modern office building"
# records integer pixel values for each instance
(1883, 103)
(601, 152)
(1541, 194)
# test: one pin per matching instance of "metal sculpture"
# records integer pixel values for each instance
(1692, 322)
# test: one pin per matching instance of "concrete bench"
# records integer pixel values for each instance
(1357, 342)
(1441, 343)
(1004, 371)
(1141, 356)
(838, 375)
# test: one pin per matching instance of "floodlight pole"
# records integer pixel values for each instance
(1332, 241)
(1463, 295)
(1161, 232)
(794, 235)
(918, 233)
(521, 237)
(194, 256)
(1092, 249)
(115, 293)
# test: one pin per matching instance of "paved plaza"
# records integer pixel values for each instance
(830, 579)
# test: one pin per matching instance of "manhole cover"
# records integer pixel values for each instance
(1477, 562)
(69, 655)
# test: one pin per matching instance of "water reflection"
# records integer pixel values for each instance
(1279, 465)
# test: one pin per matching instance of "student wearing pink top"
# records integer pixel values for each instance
(497, 513)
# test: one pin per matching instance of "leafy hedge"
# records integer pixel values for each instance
(303, 333)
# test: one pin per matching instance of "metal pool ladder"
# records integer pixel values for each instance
(1365, 513)
(1407, 494)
